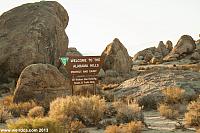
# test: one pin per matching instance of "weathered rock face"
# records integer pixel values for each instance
(31, 33)
(153, 55)
(186, 45)
(150, 83)
(146, 54)
(198, 44)
(162, 49)
(169, 45)
(41, 83)
(116, 58)
(73, 52)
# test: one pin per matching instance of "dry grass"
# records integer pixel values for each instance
(192, 117)
(49, 125)
(21, 109)
(88, 110)
(167, 111)
(4, 115)
(6, 101)
(75, 126)
(37, 111)
(128, 112)
(173, 95)
(109, 86)
(132, 127)
(16, 109)
(113, 129)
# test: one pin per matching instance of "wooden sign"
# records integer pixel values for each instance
(84, 80)
(84, 70)
(84, 65)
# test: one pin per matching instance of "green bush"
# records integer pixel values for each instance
(38, 124)
(88, 110)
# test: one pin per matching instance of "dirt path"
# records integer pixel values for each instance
(158, 124)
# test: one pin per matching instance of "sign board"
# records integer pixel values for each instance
(64, 60)
(84, 80)
(83, 69)
(84, 65)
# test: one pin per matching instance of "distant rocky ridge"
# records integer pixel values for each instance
(186, 48)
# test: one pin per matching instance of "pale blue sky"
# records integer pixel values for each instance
(137, 23)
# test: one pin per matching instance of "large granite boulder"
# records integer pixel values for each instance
(146, 54)
(71, 51)
(169, 45)
(162, 49)
(116, 58)
(41, 83)
(185, 46)
(31, 33)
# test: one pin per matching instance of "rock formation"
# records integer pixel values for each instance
(31, 33)
(150, 83)
(41, 83)
(153, 55)
(116, 58)
(185, 45)
(73, 52)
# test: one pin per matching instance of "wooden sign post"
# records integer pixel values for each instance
(84, 70)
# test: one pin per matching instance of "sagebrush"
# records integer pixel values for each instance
(4, 115)
(15, 109)
(88, 110)
(38, 124)
(128, 112)
(37, 111)
(132, 127)
(192, 117)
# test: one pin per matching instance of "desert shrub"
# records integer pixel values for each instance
(75, 126)
(128, 112)
(16, 109)
(113, 129)
(132, 127)
(4, 115)
(38, 124)
(88, 110)
(168, 111)
(149, 102)
(21, 108)
(173, 95)
(37, 111)
(192, 117)
(7, 101)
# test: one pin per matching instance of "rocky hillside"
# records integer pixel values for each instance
(162, 67)
(186, 48)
